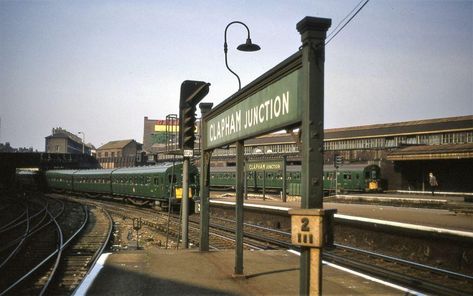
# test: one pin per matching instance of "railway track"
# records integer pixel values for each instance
(407, 273)
(82, 253)
(36, 252)
(222, 231)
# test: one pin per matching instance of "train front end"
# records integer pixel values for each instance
(373, 179)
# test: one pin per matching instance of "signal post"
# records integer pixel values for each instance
(192, 92)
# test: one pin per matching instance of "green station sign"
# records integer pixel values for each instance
(259, 166)
(275, 106)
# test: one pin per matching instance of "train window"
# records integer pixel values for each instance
(357, 176)
(172, 178)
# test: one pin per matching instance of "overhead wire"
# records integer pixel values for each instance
(341, 22)
(335, 33)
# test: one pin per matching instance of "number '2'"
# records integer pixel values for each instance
(305, 224)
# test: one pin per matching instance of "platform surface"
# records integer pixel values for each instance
(190, 272)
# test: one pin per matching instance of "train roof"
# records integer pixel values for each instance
(61, 172)
(144, 170)
(94, 172)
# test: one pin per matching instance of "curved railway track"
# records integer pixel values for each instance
(35, 244)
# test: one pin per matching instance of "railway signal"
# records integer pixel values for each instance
(338, 160)
(192, 92)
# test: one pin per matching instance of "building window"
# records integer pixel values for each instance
(106, 154)
(113, 154)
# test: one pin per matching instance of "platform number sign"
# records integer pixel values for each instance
(306, 230)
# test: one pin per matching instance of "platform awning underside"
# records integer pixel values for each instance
(432, 152)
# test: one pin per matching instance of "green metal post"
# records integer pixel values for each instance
(204, 182)
(313, 33)
(284, 178)
(264, 185)
(204, 200)
(240, 162)
(246, 184)
(185, 203)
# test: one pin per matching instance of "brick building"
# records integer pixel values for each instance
(122, 153)
(62, 141)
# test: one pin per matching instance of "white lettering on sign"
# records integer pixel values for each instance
(266, 111)
(227, 126)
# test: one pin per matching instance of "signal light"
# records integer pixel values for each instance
(192, 92)
(338, 160)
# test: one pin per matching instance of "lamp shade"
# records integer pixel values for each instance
(248, 46)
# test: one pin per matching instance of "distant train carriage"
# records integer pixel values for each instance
(162, 183)
(93, 181)
(351, 178)
(224, 178)
(60, 180)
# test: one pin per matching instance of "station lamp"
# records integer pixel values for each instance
(247, 46)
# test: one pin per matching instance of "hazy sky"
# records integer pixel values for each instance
(101, 66)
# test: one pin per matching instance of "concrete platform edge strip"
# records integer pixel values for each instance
(89, 279)
(407, 225)
(398, 199)
(436, 192)
(251, 205)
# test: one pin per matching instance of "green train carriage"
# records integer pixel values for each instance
(60, 180)
(351, 178)
(95, 181)
(161, 184)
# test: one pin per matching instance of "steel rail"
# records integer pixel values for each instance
(20, 243)
(37, 227)
(58, 257)
(12, 224)
(102, 248)
(392, 276)
(44, 260)
(412, 263)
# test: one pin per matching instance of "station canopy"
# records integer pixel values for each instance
(432, 152)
